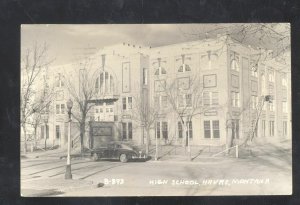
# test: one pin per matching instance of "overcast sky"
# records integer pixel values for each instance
(67, 41)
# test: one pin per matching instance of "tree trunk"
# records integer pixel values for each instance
(82, 132)
(156, 147)
(25, 138)
(229, 140)
(35, 141)
(147, 141)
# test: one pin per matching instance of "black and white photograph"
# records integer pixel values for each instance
(155, 110)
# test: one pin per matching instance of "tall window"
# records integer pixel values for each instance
(234, 61)
(207, 129)
(208, 60)
(211, 129)
(284, 130)
(129, 102)
(189, 131)
(216, 129)
(59, 80)
(271, 75)
(42, 132)
(254, 68)
(62, 108)
(129, 130)
(124, 130)
(124, 103)
(57, 129)
(235, 99)
(271, 128)
(210, 98)
(158, 129)
(179, 129)
(185, 100)
(145, 76)
(188, 100)
(165, 130)
(104, 83)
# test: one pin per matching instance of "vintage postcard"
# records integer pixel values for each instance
(156, 110)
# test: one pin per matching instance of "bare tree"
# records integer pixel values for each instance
(186, 101)
(146, 113)
(34, 60)
(271, 40)
(82, 93)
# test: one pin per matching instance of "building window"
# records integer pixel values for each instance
(210, 98)
(263, 126)
(188, 100)
(104, 83)
(62, 108)
(129, 130)
(129, 102)
(124, 103)
(234, 61)
(179, 130)
(124, 131)
(101, 110)
(284, 107)
(211, 129)
(97, 110)
(165, 130)
(185, 100)
(207, 129)
(254, 69)
(235, 99)
(184, 68)
(59, 80)
(254, 102)
(160, 71)
(158, 130)
(208, 60)
(57, 129)
(111, 110)
(42, 132)
(284, 128)
(271, 127)
(216, 129)
(271, 75)
(145, 76)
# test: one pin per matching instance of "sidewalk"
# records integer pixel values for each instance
(48, 187)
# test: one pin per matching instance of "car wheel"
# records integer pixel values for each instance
(95, 157)
(123, 158)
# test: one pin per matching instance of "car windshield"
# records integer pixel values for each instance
(126, 146)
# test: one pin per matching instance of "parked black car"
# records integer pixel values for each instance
(118, 150)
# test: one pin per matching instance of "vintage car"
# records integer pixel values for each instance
(118, 150)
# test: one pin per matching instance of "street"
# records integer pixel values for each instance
(260, 175)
